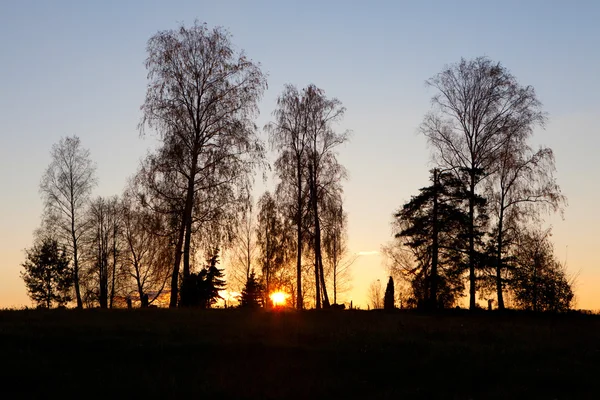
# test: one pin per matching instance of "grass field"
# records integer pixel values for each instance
(288, 355)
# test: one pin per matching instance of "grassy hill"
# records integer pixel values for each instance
(290, 355)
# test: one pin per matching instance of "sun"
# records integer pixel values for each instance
(278, 299)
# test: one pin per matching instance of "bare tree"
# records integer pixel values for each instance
(288, 136)
(307, 167)
(375, 295)
(273, 243)
(65, 188)
(202, 98)
(335, 247)
(243, 251)
(478, 109)
(103, 242)
(147, 254)
(523, 186)
(324, 171)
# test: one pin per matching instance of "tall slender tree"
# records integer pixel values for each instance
(324, 171)
(288, 136)
(65, 188)
(103, 247)
(307, 167)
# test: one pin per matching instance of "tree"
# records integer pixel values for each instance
(103, 248)
(308, 170)
(288, 136)
(252, 294)
(374, 295)
(324, 171)
(146, 253)
(202, 98)
(202, 289)
(244, 248)
(48, 276)
(433, 226)
(272, 242)
(523, 185)
(337, 260)
(389, 299)
(478, 109)
(540, 282)
(65, 188)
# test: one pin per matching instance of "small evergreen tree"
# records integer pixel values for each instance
(252, 293)
(388, 299)
(48, 276)
(202, 289)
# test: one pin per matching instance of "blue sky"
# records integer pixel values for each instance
(76, 68)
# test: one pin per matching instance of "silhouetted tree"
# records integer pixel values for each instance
(308, 169)
(65, 188)
(47, 274)
(433, 226)
(337, 259)
(389, 297)
(523, 185)
(103, 250)
(146, 254)
(202, 289)
(374, 295)
(324, 171)
(202, 98)
(288, 136)
(243, 253)
(479, 108)
(539, 281)
(272, 241)
(252, 295)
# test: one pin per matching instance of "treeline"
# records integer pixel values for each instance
(190, 202)
(477, 225)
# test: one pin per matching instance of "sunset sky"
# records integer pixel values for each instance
(76, 68)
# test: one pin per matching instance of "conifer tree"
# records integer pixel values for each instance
(252, 293)
(388, 299)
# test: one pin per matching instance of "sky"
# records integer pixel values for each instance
(77, 68)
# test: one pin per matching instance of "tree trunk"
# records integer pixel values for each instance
(185, 230)
(499, 260)
(189, 205)
(187, 247)
(299, 300)
(320, 263)
(76, 266)
(435, 245)
(114, 269)
(175, 274)
(472, 303)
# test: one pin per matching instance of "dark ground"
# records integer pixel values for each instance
(287, 355)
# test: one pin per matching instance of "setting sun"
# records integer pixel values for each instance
(278, 299)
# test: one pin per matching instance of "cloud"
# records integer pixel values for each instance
(368, 253)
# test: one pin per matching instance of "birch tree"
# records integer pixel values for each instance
(201, 99)
(65, 188)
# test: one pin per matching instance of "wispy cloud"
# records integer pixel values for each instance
(368, 253)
